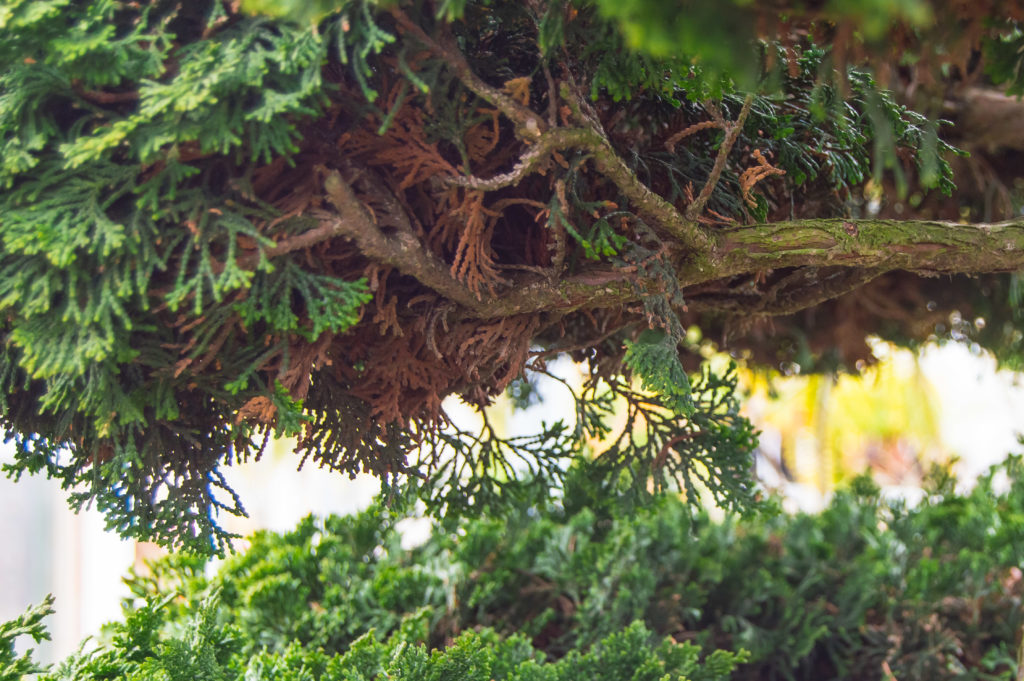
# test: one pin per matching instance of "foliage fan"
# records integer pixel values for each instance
(217, 226)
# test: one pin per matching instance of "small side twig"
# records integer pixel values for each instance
(531, 161)
(560, 245)
(662, 456)
(671, 142)
(552, 97)
(528, 124)
(733, 132)
(102, 97)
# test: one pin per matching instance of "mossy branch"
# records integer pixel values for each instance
(867, 248)
(922, 246)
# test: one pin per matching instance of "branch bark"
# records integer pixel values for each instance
(924, 247)
(402, 249)
(867, 248)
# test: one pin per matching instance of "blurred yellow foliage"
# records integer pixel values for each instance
(828, 428)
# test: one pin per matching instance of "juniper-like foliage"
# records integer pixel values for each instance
(14, 667)
(320, 220)
(578, 591)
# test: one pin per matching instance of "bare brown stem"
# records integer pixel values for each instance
(529, 125)
(732, 133)
(532, 160)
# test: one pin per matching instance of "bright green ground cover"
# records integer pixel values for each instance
(864, 590)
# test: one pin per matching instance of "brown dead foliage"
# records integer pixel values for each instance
(409, 376)
(411, 350)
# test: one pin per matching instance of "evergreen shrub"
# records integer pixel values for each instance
(867, 589)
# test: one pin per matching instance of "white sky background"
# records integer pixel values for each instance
(981, 411)
(50, 550)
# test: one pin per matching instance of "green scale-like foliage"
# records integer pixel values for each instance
(865, 590)
(14, 667)
(127, 141)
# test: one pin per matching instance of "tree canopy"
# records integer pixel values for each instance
(221, 223)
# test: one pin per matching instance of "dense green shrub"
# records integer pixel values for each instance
(867, 589)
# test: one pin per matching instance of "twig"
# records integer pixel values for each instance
(560, 245)
(402, 250)
(552, 96)
(662, 456)
(658, 212)
(529, 125)
(732, 133)
(676, 138)
(101, 97)
(538, 153)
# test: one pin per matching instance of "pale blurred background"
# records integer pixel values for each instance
(898, 418)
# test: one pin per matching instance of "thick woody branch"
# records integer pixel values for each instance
(866, 248)
(925, 247)
(400, 249)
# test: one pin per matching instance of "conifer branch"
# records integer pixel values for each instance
(111, 223)
(402, 249)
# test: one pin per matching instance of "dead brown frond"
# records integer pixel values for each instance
(519, 89)
(713, 217)
(473, 263)
(403, 150)
(482, 138)
(257, 410)
(751, 176)
(401, 379)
